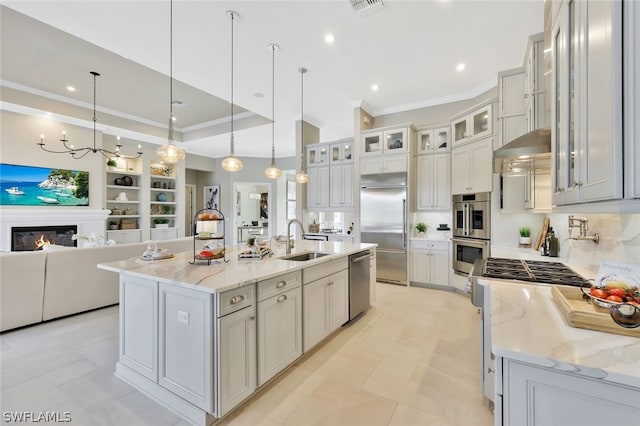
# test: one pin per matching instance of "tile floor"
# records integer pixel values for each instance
(413, 359)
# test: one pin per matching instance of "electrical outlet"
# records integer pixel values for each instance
(183, 317)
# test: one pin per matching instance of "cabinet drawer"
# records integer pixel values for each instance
(277, 285)
(430, 245)
(236, 299)
(318, 271)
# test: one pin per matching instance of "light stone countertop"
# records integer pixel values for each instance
(219, 276)
(434, 236)
(526, 325)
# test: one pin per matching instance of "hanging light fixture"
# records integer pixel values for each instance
(302, 176)
(170, 153)
(273, 172)
(78, 153)
(231, 163)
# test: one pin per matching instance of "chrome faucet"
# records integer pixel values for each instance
(289, 243)
(583, 224)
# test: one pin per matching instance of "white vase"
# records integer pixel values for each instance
(421, 234)
(162, 225)
(525, 240)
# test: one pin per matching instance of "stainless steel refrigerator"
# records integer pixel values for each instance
(383, 220)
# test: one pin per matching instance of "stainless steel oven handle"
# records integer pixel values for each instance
(465, 220)
(404, 223)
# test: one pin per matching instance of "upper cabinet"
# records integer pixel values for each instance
(318, 155)
(341, 152)
(631, 60)
(472, 125)
(472, 167)
(587, 102)
(535, 107)
(389, 141)
(433, 139)
(511, 105)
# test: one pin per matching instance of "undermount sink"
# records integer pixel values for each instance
(301, 257)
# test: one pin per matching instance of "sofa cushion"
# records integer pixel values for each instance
(21, 288)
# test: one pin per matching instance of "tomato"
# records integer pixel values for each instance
(617, 292)
(599, 293)
(615, 299)
(206, 253)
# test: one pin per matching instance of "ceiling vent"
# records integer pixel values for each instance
(365, 7)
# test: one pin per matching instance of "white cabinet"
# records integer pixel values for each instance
(236, 345)
(325, 301)
(279, 324)
(473, 125)
(317, 155)
(430, 262)
(632, 98)
(139, 325)
(158, 234)
(341, 179)
(383, 164)
(472, 167)
(372, 276)
(318, 187)
(587, 102)
(125, 237)
(527, 191)
(186, 345)
(341, 152)
(511, 106)
(535, 105)
(385, 141)
(434, 182)
(430, 140)
(534, 395)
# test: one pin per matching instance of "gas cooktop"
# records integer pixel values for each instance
(532, 270)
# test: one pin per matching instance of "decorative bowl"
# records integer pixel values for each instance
(161, 197)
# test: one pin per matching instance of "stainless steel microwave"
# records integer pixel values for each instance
(466, 251)
(472, 215)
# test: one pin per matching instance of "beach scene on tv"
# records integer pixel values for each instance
(41, 186)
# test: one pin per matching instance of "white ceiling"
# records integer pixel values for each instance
(409, 48)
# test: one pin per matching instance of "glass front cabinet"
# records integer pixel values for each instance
(432, 140)
(476, 124)
(341, 152)
(392, 141)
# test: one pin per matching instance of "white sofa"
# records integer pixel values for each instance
(43, 285)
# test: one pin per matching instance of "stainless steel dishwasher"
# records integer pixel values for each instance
(359, 283)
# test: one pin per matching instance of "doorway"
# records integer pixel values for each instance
(252, 210)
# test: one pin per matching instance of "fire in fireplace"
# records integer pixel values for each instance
(32, 238)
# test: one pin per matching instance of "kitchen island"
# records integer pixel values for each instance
(200, 339)
(547, 372)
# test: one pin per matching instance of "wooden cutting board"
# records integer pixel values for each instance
(581, 314)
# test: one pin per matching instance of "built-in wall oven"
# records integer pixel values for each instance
(471, 230)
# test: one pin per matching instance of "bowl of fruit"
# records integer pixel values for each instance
(610, 292)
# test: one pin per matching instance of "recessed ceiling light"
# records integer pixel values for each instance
(178, 103)
(71, 88)
(258, 95)
(48, 113)
(329, 38)
(374, 87)
(174, 118)
(461, 67)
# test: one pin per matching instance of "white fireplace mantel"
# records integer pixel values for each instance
(86, 219)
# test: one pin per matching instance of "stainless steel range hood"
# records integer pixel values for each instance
(531, 151)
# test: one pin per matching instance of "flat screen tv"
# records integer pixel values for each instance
(42, 186)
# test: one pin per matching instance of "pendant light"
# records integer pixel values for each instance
(231, 163)
(302, 176)
(170, 153)
(273, 172)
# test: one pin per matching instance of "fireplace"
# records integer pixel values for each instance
(25, 238)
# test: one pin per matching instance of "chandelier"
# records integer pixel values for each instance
(231, 163)
(78, 153)
(273, 172)
(302, 176)
(170, 153)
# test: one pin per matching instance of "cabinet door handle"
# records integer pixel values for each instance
(281, 284)
(281, 298)
(252, 318)
(578, 184)
(490, 370)
(331, 283)
(237, 299)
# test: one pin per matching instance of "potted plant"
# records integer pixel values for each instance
(111, 163)
(421, 228)
(525, 236)
(161, 222)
